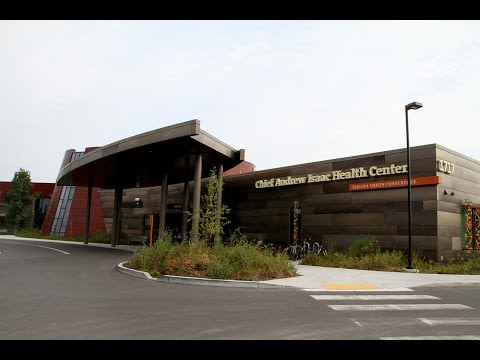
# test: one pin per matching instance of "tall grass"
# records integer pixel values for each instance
(469, 266)
(365, 254)
(35, 234)
(240, 261)
(97, 237)
(386, 261)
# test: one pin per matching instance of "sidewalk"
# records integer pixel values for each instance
(335, 279)
(311, 277)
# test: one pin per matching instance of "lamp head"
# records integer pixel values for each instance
(413, 106)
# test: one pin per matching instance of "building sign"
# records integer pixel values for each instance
(388, 184)
(445, 166)
(353, 173)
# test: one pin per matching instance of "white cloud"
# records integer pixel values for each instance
(287, 91)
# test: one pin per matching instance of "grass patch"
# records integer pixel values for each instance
(384, 261)
(393, 261)
(35, 234)
(240, 261)
(470, 266)
(98, 237)
(365, 254)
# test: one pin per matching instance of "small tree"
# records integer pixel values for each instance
(19, 200)
(212, 218)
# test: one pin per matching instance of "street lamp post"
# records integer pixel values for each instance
(411, 106)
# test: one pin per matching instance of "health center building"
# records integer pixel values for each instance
(151, 180)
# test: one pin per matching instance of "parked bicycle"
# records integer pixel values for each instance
(319, 249)
(293, 252)
(296, 251)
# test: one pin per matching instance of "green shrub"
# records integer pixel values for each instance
(236, 237)
(153, 259)
(220, 270)
(466, 266)
(332, 259)
(367, 245)
(101, 237)
(385, 261)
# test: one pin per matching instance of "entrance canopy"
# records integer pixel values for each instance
(141, 160)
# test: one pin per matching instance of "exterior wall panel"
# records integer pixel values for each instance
(333, 213)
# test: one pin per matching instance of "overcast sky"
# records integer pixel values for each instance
(288, 92)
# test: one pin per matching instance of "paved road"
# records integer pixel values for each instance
(64, 291)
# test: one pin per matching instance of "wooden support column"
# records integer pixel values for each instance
(163, 205)
(186, 203)
(218, 235)
(117, 215)
(197, 187)
(89, 205)
(152, 220)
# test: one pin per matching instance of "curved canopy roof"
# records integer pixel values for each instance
(140, 160)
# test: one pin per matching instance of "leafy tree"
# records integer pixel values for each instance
(212, 218)
(19, 200)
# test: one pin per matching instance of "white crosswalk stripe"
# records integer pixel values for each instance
(399, 307)
(374, 297)
(386, 321)
(361, 290)
(438, 337)
(450, 321)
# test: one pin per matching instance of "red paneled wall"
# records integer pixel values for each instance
(4, 187)
(242, 168)
(78, 213)
(44, 189)
(78, 210)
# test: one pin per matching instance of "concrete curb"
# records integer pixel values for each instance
(201, 281)
(137, 273)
